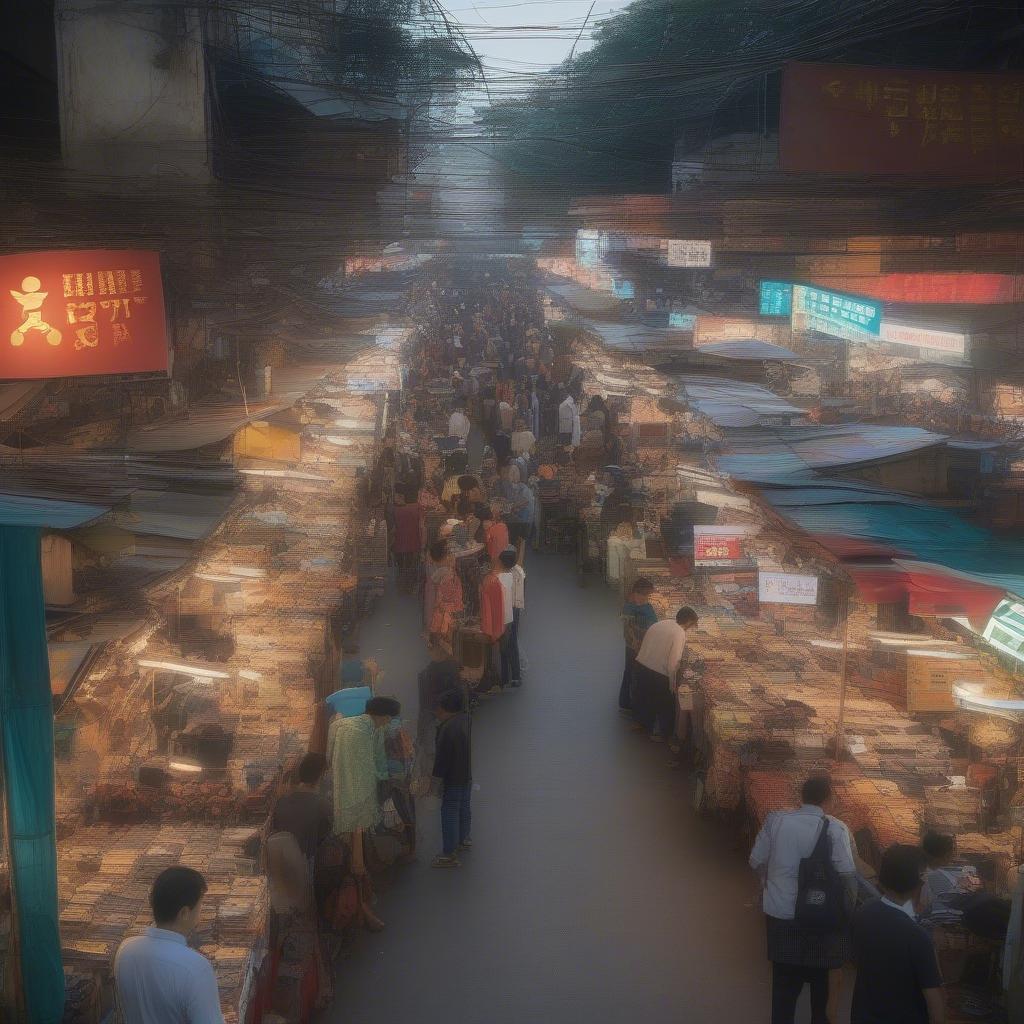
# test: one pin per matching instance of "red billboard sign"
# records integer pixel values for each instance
(80, 313)
(715, 545)
(846, 119)
(945, 289)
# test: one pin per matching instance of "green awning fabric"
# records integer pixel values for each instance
(26, 746)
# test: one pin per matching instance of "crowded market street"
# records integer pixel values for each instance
(511, 513)
(588, 895)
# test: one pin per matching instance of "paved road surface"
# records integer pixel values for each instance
(593, 894)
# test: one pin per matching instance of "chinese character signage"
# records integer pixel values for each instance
(937, 289)
(688, 252)
(786, 588)
(926, 338)
(845, 119)
(81, 313)
(623, 289)
(685, 321)
(835, 314)
(717, 545)
(776, 298)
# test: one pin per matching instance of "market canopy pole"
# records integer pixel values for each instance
(26, 748)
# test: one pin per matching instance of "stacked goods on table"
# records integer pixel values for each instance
(258, 602)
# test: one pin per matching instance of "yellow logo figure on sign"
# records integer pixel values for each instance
(31, 301)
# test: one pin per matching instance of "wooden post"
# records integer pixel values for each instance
(841, 719)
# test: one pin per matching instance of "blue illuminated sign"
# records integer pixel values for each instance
(846, 312)
(776, 298)
(684, 320)
(624, 289)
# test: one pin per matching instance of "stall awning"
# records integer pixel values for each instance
(928, 590)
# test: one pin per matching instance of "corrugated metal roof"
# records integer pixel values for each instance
(768, 453)
(213, 422)
(638, 336)
(46, 513)
(733, 403)
(585, 300)
(748, 349)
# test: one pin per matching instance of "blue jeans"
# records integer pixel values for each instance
(456, 818)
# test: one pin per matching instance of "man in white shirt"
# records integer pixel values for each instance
(567, 418)
(798, 956)
(159, 979)
(512, 577)
(458, 425)
(655, 670)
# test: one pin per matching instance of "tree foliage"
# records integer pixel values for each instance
(665, 70)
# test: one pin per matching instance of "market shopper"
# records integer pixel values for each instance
(898, 978)
(408, 538)
(513, 587)
(568, 421)
(495, 533)
(453, 776)
(638, 615)
(801, 955)
(458, 424)
(302, 811)
(159, 979)
(654, 673)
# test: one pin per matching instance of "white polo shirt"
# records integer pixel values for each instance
(458, 425)
(160, 980)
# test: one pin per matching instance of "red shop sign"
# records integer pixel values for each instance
(79, 313)
(710, 549)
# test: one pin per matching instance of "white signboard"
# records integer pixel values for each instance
(924, 337)
(688, 252)
(786, 588)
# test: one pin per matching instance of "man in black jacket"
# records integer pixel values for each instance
(453, 774)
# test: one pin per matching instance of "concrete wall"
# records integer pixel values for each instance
(132, 90)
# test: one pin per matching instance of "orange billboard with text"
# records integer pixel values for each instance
(846, 119)
(80, 313)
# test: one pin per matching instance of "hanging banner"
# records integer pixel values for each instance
(717, 545)
(786, 588)
(688, 252)
(588, 247)
(846, 119)
(924, 337)
(835, 314)
(776, 298)
(937, 289)
(79, 313)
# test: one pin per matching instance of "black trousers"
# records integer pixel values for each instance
(626, 689)
(787, 984)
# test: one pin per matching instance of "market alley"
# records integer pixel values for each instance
(592, 893)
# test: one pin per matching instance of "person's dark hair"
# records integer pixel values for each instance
(173, 890)
(508, 558)
(386, 707)
(439, 550)
(816, 790)
(642, 585)
(464, 506)
(900, 869)
(938, 846)
(686, 617)
(311, 768)
(467, 482)
(451, 701)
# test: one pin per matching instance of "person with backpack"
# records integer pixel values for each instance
(805, 861)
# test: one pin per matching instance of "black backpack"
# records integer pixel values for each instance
(820, 898)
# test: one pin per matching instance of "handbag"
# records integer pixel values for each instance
(820, 903)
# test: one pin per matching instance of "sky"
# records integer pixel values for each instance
(525, 37)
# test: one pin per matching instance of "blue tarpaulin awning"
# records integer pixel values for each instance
(46, 513)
